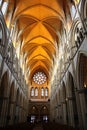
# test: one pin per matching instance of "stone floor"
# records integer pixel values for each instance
(38, 127)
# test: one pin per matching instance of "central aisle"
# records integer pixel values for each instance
(38, 127)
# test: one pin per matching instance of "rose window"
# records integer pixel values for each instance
(39, 78)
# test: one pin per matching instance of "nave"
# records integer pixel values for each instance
(39, 126)
(43, 64)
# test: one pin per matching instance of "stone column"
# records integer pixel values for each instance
(11, 113)
(17, 114)
(20, 114)
(64, 112)
(3, 117)
(70, 111)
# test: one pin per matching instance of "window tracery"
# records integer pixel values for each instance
(46, 92)
(42, 91)
(4, 7)
(32, 91)
(39, 78)
(36, 92)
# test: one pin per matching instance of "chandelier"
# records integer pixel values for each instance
(39, 78)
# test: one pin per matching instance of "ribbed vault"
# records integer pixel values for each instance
(39, 24)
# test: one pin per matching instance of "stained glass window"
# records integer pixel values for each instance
(32, 91)
(39, 78)
(42, 91)
(4, 7)
(36, 91)
(46, 92)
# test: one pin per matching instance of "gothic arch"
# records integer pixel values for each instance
(4, 89)
(4, 94)
(44, 113)
(44, 110)
(72, 98)
(3, 28)
(81, 70)
(76, 36)
(84, 9)
(12, 91)
(4, 84)
(70, 85)
(34, 110)
(82, 85)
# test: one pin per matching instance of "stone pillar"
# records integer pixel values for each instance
(64, 112)
(17, 114)
(23, 115)
(3, 117)
(20, 114)
(11, 113)
(70, 111)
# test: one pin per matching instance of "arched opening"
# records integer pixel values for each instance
(3, 90)
(3, 34)
(4, 7)
(36, 92)
(32, 92)
(46, 92)
(44, 114)
(84, 12)
(72, 100)
(82, 87)
(34, 113)
(42, 92)
(82, 72)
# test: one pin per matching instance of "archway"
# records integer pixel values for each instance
(3, 89)
(82, 87)
(34, 114)
(72, 97)
(73, 115)
(64, 104)
(4, 98)
(44, 114)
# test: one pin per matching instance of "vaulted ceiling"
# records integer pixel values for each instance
(40, 24)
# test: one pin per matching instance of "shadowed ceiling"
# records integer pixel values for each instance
(40, 24)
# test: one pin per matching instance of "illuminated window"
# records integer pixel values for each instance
(4, 7)
(32, 119)
(45, 118)
(39, 78)
(36, 92)
(0, 2)
(42, 91)
(32, 91)
(0, 33)
(72, 10)
(76, 2)
(46, 92)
